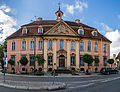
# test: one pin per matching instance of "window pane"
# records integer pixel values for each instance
(24, 45)
(32, 60)
(81, 61)
(13, 45)
(40, 30)
(61, 44)
(72, 45)
(40, 45)
(50, 60)
(81, 46)
(89, 46)
(104, 48)
(96, 47)
(72, 60)
(32, 45)
(50, 44)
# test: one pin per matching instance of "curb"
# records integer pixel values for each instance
(54, 87)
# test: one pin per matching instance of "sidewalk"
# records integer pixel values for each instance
(33, 85)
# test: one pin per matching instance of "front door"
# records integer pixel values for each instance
(61, 61)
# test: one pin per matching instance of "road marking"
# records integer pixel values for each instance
(82, 85)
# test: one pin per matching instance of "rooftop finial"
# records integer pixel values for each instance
(59, 5)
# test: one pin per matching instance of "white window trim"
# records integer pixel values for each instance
(38, 30)
(23, 31)
(79, 31)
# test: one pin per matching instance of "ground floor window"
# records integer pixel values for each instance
(81, 61)
(32, 61)
(72, 60)
(50, 60)
(105, 61)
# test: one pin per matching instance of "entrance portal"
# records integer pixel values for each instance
(61, 61)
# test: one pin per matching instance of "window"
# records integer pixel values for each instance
(95, 33)
(104, 48)
(50, 60)
(82, 46)
(13, 45)
(40, 30)
(96, 47)
(32, 60)
(13, 58)
(61, 44)
(81, 61)
(96, 64)
(89, 46)
(40, 45)
(23, 45)
(80, 31)
(50, 44)
(105, 61)
(32, 45)
(72, 45)
(72, 60)
(24, 31)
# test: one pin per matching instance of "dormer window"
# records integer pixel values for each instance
(24, 31)
(95, 33)
(80, 31)
(40, 30)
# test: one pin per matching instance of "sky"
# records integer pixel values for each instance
(101, 14)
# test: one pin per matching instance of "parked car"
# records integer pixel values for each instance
(109, 70)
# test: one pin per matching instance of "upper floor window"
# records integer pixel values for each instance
(40, 45)
(104, 48)
(81, 45)
(61, 44)
(96, 47)
(72, 45)
(13, 45)
(80, 31)
(24, 31)
(32, 45)
(89, 46)
(50, 44)
(23, 45)
(40, 30)
(95, 33)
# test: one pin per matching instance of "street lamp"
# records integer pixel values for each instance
(5, 54)
(34, 52)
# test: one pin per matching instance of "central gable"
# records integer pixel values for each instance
(61, 28)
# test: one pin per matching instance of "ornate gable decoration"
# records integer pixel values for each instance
(61, 29)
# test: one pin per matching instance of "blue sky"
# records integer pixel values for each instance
(101, 14)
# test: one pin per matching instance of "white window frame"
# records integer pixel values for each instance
(40, 32)
(82, 31)
(24, 30)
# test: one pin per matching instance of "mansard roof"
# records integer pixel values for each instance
(48, 24)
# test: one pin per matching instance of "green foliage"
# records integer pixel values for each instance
(39, 59)
(23, 61)
(11, 62)
(110, 61)
(87, 58)
(96, 59)
(2, 62)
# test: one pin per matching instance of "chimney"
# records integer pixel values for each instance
(39, 19)
(77, 21)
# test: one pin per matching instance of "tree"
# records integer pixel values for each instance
(87, 59)
(11, 62)
(96, 59)
(39, 59)
(110, 61)
(23, 61)
(2, 62)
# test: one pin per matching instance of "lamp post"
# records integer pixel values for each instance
(5, 54)
(34, 52)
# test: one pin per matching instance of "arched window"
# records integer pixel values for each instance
(95, 33)
(80, 31)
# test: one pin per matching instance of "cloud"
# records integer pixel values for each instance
(114, 36)
(105, 28)
(79, 6)
(7, 23)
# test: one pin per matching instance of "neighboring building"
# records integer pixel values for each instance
(61, 43)
(117, 60)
